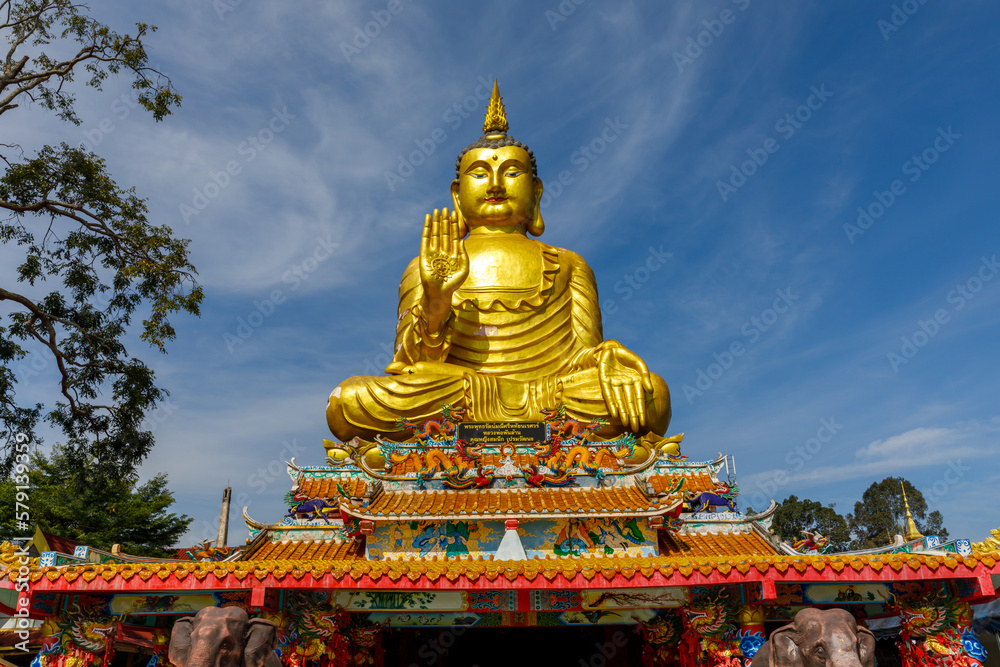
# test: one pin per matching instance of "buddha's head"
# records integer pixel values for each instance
(496, 181)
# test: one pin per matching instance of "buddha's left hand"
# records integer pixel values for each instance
(623, 377)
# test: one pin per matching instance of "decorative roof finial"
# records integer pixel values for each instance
(911, 531)
(496, 117)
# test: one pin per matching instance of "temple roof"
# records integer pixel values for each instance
(706, 545)
(327, 487)
(538, 573)
(520, 459)
(356, 486)
(63, 545)
(307, 550)
(515, 503)
(695, 483)
(671, 544)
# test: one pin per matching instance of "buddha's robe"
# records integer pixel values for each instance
(506, 352)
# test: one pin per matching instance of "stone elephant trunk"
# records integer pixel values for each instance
(223, 637)
(830, 637)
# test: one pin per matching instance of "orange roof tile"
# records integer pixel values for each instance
(327, 488)
(520, 459)
(692, 483)
(543, 573)
(719, 545)
(308, 550)
(603, 501)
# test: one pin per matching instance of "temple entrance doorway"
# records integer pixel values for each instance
(586, 646)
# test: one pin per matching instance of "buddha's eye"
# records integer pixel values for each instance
(514, 173)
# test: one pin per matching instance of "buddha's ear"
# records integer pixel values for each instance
(463, 228)
(537, 226)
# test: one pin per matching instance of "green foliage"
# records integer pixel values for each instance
(91, 258)
(880, 515)
(35, 24)
(795, 516)
(877, 518)
(79, 503)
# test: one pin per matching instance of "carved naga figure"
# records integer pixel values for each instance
(425, 433)
(497, 324)
(700, 501)
(314, 508)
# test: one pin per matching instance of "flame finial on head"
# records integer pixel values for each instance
(496, 117)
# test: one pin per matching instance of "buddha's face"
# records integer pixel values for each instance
(495, 187)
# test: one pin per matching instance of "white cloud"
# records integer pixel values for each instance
(906, 445)
(922, 448)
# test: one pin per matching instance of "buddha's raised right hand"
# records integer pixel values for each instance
(444, 266)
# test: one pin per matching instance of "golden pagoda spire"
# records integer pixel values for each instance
(496, 117)
(911, 533)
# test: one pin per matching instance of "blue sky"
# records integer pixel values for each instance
(737, 138)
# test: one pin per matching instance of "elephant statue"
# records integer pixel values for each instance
(223, 637)
(819, 637)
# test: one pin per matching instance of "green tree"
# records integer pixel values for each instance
(90, 258)
(79, 503)
(794, 516)
(880, 515)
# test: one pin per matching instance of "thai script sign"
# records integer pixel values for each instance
(501, 433)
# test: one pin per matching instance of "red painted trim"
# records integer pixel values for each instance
(768, 591)
(985, 585)
(523, 601)
(577, 582)
(257, 594)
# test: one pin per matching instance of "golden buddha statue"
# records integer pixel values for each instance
(497, 323)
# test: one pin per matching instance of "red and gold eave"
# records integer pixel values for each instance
(552, 573)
